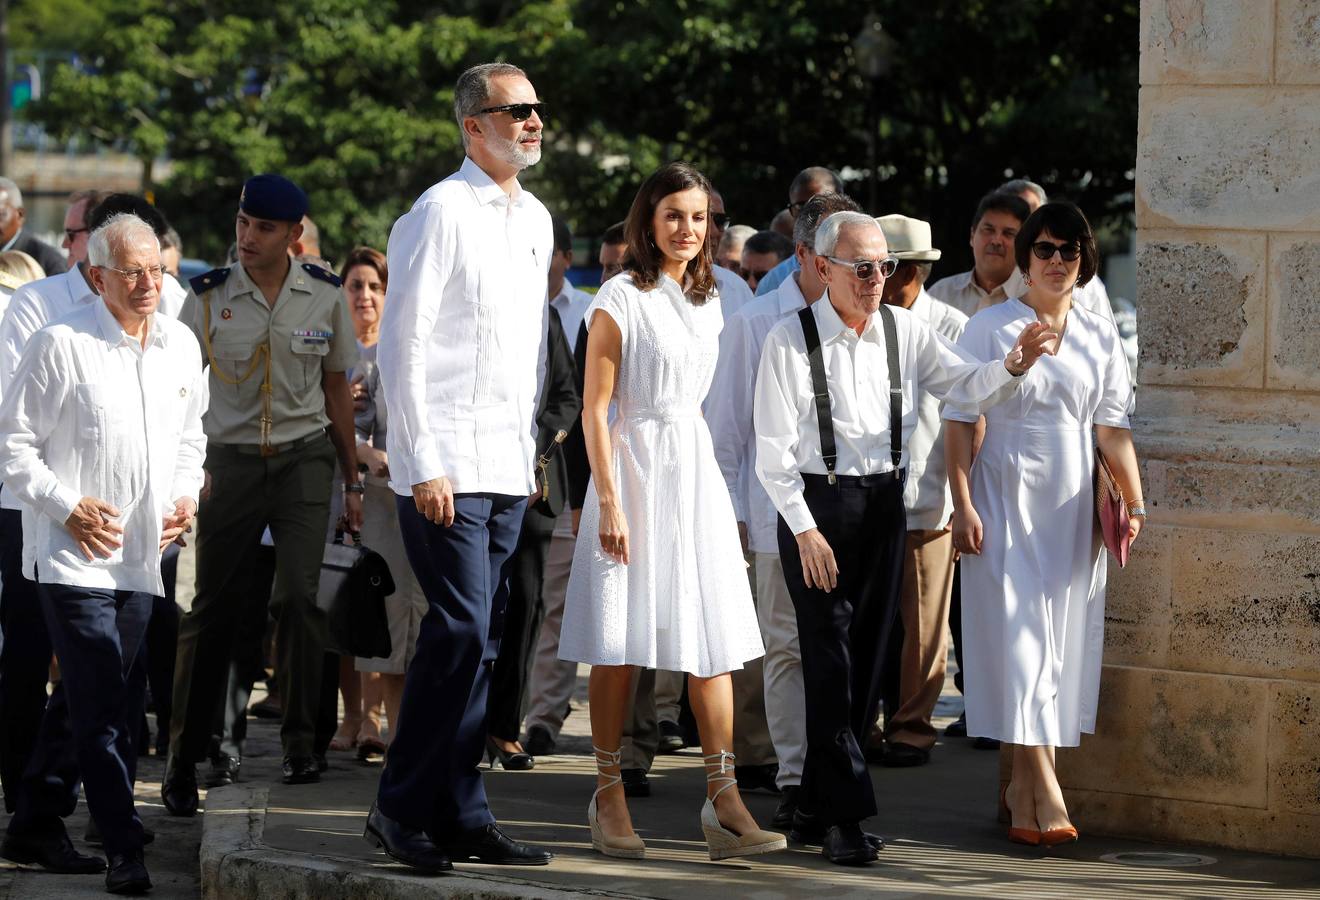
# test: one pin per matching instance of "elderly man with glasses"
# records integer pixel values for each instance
(102, 442)
(835, 405)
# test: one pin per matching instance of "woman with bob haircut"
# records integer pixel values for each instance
(658, 574)
(1034, 567)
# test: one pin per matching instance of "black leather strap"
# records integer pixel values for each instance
(895, 387)
(820, 391)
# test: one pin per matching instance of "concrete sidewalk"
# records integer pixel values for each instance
(263, 839)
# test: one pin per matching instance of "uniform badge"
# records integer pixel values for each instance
(183, 392)
(226, 313)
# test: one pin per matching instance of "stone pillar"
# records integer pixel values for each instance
(1209, 727)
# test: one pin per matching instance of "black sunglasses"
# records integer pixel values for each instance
(795, 208)
(1045, 250)
(519, 112)
(721, 220)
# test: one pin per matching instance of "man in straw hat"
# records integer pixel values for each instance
(914, 663)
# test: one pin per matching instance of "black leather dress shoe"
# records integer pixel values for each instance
(846, 845)
(539, 741)
(635, 783)
(300, 770)
(958, 728)
(127, 874)
(509, 760)
(488, 844)
(788, 804)
(985, 743)
(179, 788)
(751, 778)
(93, 834)
(406, 845)
(902, 756)
(54, 853)
(808, 830)
(223, 771)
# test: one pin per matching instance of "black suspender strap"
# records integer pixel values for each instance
(820, 391)
(895, 388)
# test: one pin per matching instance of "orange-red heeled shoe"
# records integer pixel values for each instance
(1029, 836)
(1056, 836)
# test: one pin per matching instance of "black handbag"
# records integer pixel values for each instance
(355, 581)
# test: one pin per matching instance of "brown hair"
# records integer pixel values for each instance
(366, 256)
(643, 258)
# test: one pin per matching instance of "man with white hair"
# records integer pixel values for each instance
(102, 442)
(462, 355)
(835, 405)
(14, 237)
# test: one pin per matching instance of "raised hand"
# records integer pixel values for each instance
(1035, 341)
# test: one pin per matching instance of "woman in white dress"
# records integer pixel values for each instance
(1033, 568)
(658, 575)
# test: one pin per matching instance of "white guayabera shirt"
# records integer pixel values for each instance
(91, 412)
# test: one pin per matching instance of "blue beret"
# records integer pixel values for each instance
(273, 197)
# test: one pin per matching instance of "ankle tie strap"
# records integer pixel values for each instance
(723, 763)
(605, 759)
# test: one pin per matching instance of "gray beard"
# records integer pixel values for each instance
(513, 153)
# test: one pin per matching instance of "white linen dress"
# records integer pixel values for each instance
(682, 603)
(1034, 600)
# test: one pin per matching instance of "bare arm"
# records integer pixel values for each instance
(960, 440)
(604, 353)
(339, 409)
(1116, 445)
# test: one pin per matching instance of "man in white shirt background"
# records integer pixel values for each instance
(102, 441)
(806, 184)
(729, 413)
(461, 355)
(915, 657)
(835, 403)
(998, 217)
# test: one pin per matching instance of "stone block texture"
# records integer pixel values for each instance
(1206, 41)
(1229, 158)
(1297, 46)
(1294, 359)
(1201, 307)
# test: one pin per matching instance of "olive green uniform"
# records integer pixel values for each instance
(271, 465)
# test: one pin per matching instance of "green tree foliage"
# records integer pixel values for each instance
(353, 99)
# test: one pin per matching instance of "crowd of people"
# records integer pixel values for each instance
(752, 481)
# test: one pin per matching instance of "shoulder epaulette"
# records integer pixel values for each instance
(321, 274)
(212, 279)
(10, 282)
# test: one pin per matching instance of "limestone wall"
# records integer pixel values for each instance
(1210, 701)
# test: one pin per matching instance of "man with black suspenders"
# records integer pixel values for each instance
(834, 407)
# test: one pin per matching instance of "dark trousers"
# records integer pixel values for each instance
(90, 725)
(843, 634)
(955, 623)
(247, 659)
(158, 647)
(24, 660)
(522, 626)
(431, 780)
(290, 493)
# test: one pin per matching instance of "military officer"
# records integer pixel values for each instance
(278, 338)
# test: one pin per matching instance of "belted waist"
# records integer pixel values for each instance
(273, 450)
(672, 414)
(811, 479)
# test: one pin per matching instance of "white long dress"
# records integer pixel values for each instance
(1034, 600)
(682, 603)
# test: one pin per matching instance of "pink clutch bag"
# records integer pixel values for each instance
(1111, 510)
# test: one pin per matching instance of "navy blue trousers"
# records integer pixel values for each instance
(90, 726)
(24, 661)
(431, 779)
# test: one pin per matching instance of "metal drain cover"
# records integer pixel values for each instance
(1160, 859)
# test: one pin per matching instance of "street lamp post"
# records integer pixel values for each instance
(873, 49)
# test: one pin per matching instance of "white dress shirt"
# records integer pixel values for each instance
(1092, 295)
(963, 293)
(91, 412)
(734, 292)
(926, 495)
(571, 304)
(857, 372)
(462, 339)
(729, 409)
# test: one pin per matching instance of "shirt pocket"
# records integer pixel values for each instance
(308, 353)
(92, 428)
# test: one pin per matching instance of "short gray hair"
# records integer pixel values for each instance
(111, 237)
(473, 89)
(8, 186)
(1019, 185)
(827, 233)
(735, 236)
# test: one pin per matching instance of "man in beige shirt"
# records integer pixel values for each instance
(998, 217)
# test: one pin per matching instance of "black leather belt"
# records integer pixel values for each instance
(273, 450)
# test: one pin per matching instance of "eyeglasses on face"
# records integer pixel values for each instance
(795, 208)
(133, 276)
(721, 220)
(1045, 250)
(72, 233)
(865, 269)
(519, 112)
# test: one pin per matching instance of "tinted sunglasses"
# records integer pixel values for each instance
(865, 269)
(519, 112)
(1045, 250)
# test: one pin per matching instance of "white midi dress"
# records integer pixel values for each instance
(1033, 601)
(682, 603)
